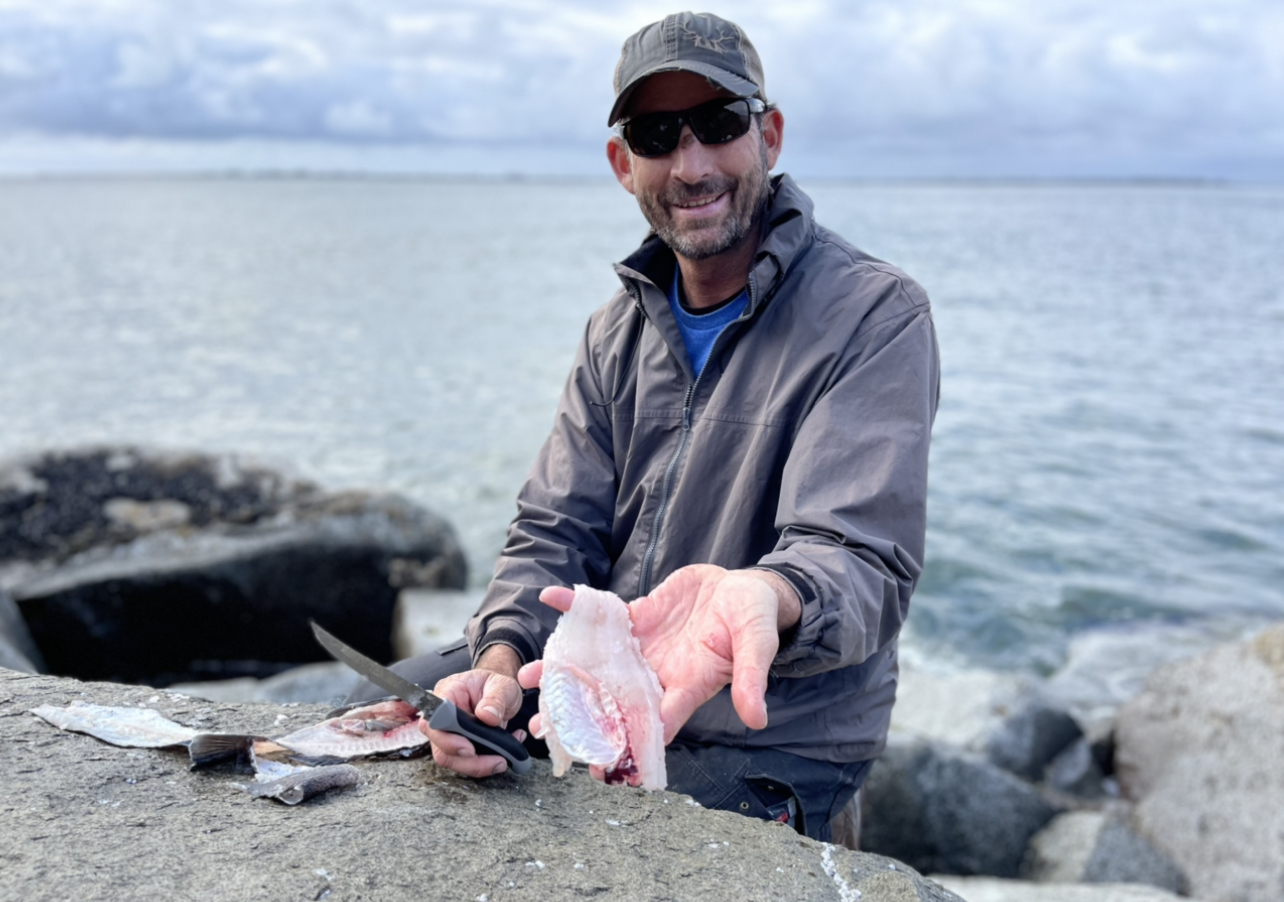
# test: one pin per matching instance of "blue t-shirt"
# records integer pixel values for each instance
(700, 330)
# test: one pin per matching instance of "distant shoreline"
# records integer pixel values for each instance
(357, 175)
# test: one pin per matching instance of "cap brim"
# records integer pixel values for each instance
(741, 87)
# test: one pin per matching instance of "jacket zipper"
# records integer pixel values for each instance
(648, 558)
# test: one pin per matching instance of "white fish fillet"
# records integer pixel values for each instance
(137, 728)
(372, 730)
(599, 698)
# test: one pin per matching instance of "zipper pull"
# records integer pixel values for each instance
(686, 418)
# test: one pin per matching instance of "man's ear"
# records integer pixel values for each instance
(621, 163)
(773, 135)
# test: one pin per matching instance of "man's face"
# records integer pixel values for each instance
(702, 200)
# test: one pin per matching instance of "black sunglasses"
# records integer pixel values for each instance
(715, 122)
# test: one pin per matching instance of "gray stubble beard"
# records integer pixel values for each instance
(742, 219)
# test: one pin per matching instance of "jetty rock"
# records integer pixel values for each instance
(88, 821)
(162, 567)
(1199, 753)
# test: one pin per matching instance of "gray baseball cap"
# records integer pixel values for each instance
(689, 42)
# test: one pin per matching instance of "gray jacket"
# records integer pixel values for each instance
(802, 447)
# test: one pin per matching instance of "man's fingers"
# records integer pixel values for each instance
(470, 764)
(558, 597)
(530, 674)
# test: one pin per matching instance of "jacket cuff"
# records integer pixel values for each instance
(807, 596)
(511, 635)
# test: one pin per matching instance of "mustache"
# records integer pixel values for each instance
(682, 192)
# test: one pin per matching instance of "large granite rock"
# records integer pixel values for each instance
(88, 821)
(1098, 847)
(1200, 752)
(170, 568)
(993, 889)
(945, 810)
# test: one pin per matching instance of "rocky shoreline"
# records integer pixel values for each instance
(88, 821)
(1124, 777)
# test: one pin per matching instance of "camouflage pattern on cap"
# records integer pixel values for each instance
(689, 42)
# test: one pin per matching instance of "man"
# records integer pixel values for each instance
(740, 449)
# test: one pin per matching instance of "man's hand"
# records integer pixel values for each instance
(702, 628)
(489, 692)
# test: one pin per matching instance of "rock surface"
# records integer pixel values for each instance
(993, 889)
(1200, 752)
(1098, 847)
(89, 821)
(949, 811)
(171, 568)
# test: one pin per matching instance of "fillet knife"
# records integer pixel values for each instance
(441, 714)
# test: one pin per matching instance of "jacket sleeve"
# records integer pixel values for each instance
(853, 504)
(562, 530)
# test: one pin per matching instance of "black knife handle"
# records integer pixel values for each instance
(450, 719)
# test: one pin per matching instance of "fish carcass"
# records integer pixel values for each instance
(599, 698)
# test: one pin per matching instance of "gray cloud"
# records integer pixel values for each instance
(915, 87)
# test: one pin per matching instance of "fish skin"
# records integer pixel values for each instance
(381, 728)
(599, 698)
(131, 728)
(306, 783)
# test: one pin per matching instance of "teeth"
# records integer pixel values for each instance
(703, 203)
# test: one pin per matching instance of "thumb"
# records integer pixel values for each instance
(676, 707)
(752, 651)
(501, 699)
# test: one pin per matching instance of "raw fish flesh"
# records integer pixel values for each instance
(376, 729)
(599, 698)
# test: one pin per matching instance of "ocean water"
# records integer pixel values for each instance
(1109, 450)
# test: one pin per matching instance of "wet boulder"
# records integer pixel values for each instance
(158, 569)
(945, 810)
(17, 649)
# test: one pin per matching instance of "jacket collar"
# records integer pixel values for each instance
(788, 231)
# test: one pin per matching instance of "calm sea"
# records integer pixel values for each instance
(1109, 448)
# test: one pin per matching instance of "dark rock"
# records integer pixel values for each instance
(160, 567)
(83, 820)
(1075, 771)
(58, 504)
(1099, 847)
(1123, 855)
(229, 601)
(17, 649)
(1031, 737)
(947, 811)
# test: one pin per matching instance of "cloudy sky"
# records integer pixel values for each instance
(884, 88)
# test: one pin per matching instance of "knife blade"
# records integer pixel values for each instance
(442, 714)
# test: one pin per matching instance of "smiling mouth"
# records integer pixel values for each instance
(701, 203)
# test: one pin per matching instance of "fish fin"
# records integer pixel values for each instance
(214, 748)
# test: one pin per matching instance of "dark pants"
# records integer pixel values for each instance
(763, 783)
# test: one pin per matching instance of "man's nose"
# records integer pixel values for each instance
(692, 161)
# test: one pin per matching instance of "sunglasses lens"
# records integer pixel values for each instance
(718, 123)
(655, 134)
